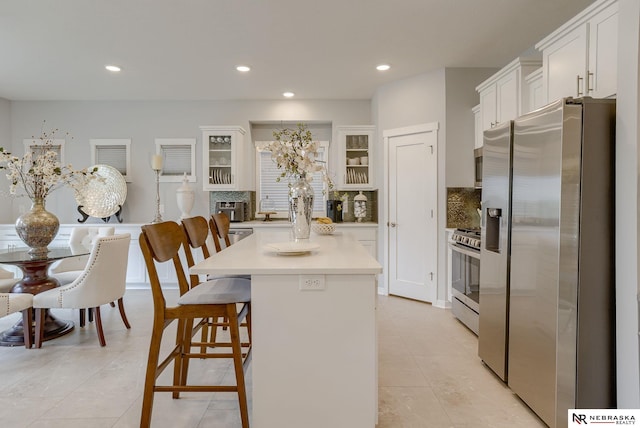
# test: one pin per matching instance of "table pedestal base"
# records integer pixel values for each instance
(53, 328)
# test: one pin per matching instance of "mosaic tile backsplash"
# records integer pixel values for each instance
(249, 198)
(462, 206)
(372, 205)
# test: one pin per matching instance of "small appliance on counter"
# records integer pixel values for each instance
(234, 210)
(334, 210)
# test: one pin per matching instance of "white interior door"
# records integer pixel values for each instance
(412, 214)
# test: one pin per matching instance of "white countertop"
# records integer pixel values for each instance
(339, 253)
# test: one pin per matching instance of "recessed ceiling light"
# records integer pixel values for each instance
(112, 67)
(243, 68)
(288, 94)
(383, 67)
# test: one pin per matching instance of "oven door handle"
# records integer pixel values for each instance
(464, 250)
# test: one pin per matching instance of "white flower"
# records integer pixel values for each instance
(295, 152)
(38, 172)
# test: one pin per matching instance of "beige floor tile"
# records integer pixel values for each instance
(75, 423)
(429, 376)
(410, 407)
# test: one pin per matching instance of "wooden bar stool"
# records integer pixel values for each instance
(160, 243)
(196, 230)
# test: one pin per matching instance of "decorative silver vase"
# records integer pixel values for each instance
(301, 208)
(37, 228)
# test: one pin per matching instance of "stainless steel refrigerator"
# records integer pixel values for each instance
(547, 315)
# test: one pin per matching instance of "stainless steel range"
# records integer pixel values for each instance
(465, 276)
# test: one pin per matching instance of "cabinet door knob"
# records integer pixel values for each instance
(391, 224)
(589, 82)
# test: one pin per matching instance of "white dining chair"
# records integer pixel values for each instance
(10, 303)
(101, 282)
(69, 269)
(7, 280)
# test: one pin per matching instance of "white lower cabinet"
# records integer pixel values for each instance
(367, 236)
(136, 269)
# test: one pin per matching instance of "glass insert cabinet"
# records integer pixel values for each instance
(222, 157)
(356, 157)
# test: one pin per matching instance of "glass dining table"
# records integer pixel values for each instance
(36, 279)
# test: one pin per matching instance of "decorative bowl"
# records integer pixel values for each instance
(323, 228)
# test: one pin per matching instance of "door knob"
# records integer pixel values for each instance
(391, 224)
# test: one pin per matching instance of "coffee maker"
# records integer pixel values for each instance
(233, 210)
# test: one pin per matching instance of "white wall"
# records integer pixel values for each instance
(5, 143)
(461, 97)
(413, 101)
(145, 121)
(5, 122)
(628, 205)
(443, 96)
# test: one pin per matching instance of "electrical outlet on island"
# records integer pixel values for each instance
(311, 282)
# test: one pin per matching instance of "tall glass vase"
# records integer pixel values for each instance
(301, 208)
(37, 228)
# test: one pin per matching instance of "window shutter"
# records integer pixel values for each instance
(112, 155)
(57, 145)
(176, 160)
(278, 192)
(114, 152)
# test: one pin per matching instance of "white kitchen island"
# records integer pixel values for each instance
(314, 357)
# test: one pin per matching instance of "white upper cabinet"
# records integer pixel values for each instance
(223, 163)
(478, 127)
(536, 90)
(356, 145)
(504, 96)
(580, 58)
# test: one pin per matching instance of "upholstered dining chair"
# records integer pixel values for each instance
(68, 270)
(11, 303)
(7, 280)
(101, 282)
(162, 243)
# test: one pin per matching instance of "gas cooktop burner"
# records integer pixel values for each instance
(467, 237)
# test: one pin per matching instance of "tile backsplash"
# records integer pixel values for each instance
(462, 206)
(372, 205)
(248, 197)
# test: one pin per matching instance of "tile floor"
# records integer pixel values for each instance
(430, 376)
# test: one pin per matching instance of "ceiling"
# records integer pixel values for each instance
(319, 49)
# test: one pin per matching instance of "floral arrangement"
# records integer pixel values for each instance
(295, 152)
(38, 172)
